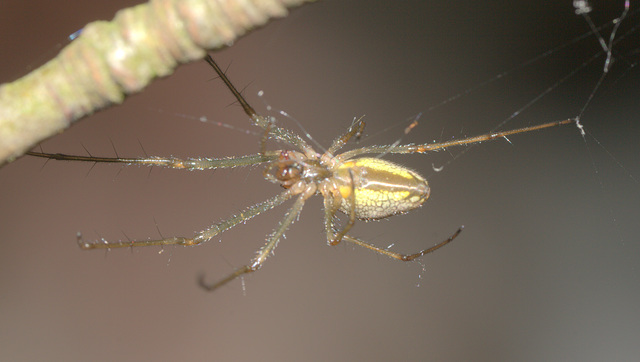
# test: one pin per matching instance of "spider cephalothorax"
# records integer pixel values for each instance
(360, 187)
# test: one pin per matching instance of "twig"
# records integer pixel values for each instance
(110, 60)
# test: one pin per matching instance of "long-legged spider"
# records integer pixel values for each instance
(360, 187)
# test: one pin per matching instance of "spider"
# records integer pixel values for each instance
(364, 188)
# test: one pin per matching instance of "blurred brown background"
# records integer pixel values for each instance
(546, 269)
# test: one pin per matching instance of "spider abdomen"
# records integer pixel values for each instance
(381, 188)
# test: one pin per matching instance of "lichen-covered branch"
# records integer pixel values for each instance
(110, 60)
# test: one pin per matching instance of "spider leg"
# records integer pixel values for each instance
(258, 120)
(332, 204)
(263, 254)
(199, 237)
(399, 256)
(356, 129)
(170, 162)
(422, 148)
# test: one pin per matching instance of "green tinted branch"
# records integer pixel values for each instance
(110, 60)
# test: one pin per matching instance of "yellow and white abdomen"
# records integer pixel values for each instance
(382, 188)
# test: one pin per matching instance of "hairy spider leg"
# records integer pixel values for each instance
(263, 254)
(265, 123)
(200, 163)
(402, 257)
(425, 147)
(356, 129)
(200, 237)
